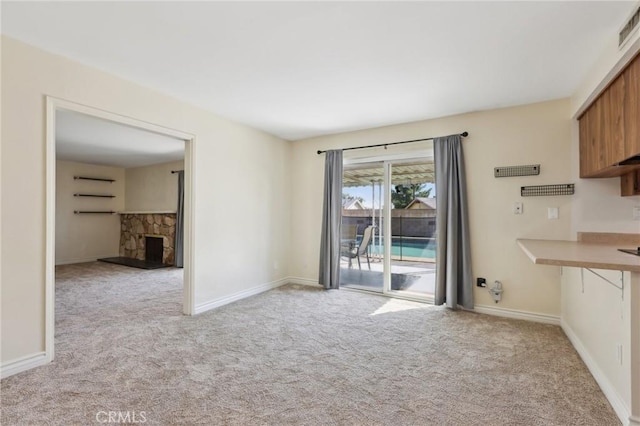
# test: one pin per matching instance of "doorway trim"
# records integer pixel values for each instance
(52, 105)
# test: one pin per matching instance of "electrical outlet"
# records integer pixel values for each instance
(636, 213)
(619, 353)
(517, 208)
(481, 282)
(552, 212)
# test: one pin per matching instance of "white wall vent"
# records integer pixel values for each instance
(630, 27)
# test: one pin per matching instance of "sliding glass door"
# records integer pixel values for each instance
(413, 225)
(362, 227)
(394, 198)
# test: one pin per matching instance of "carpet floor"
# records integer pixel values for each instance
(293, 355)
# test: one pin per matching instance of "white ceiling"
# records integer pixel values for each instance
(301, 69)
(87, 139)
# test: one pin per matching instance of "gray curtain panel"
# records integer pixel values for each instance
(329, 275)
(454, 283)
(179, 245)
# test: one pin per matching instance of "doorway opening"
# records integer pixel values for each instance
(86, 202)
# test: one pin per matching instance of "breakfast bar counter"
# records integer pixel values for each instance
(600, 309)
(580, 254)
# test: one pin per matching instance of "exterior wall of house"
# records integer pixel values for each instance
(419, 206)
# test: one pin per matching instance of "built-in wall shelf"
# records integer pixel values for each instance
(94, 195)
(94, 212)
(93, 178)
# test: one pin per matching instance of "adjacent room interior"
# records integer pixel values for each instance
(118, 192)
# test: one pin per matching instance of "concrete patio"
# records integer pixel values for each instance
(414, 278)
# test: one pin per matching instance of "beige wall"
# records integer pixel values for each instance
(152, 188)
(609, 63)
(599, 206)
(596, 315)
(589, 211)
(236, 249)
(87, 237)
(532, 134)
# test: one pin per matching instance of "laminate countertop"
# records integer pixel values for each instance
(581, 254)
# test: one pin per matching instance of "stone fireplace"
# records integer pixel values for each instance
(136, 227)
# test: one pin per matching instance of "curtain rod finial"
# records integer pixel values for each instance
(464, 134)
(319, 152)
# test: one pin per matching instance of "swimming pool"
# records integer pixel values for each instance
(408, 248)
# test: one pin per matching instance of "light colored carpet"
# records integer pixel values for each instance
(294, 355)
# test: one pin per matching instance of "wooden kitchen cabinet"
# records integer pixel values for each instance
(610, 128)
(588, 138)
(632, 109)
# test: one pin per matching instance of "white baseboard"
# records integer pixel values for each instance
(216, 303)
(303, 281)
(23, 364)
(608, 389)
(512, 313)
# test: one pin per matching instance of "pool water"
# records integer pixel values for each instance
(408, 247)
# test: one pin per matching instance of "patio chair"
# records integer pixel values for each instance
(348, 239)
(349, 232)
(362, 249)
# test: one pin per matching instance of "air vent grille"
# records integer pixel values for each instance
(510, 171)
(630, 26)
(541, 190)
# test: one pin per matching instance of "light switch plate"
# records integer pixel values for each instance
(552, 212)
(636, 213)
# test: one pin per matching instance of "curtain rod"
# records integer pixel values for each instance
(176, 171)
(463, 134)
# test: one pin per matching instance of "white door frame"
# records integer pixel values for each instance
(54, 104)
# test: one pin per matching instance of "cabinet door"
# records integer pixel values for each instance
(612, 148)
(586, 166)
(632, 109)
(591, 139)
(610, 128)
